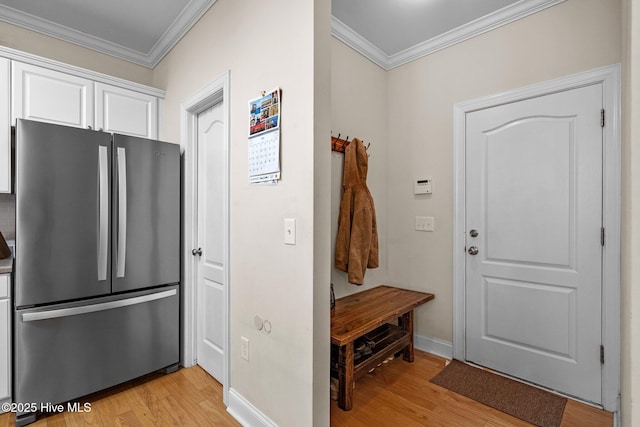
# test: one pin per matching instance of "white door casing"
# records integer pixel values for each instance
(212, 94)
(211, 274)
(533, 270)
(609, 78)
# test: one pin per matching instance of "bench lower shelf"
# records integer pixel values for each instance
(383, 342)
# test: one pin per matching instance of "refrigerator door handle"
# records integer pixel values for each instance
(103, 212)
(74, 311)
(122, 211)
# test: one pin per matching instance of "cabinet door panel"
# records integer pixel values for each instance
(5, 339)
(51, 96)
(126, 111)
(4, 286)
(5, 126)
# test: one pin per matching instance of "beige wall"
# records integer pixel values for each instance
(58, 50)
(631, 207)
(575, 36)
(359, 109)
(279, 43)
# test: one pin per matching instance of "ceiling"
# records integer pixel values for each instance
(388, 32)
(140, 31)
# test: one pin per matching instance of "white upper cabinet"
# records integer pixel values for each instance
(51, 96)
(5, 125)
(36, 88)
(125, 111)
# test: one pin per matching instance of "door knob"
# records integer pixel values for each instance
(473, 233)
(473, 250)
(195, 252)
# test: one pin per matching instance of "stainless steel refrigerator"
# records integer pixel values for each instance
(97, 264)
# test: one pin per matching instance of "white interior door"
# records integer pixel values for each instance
(534, 268)
(211, 270)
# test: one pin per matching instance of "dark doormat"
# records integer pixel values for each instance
(523, 401)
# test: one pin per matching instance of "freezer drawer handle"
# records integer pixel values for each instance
(74, 311)
(103, 212)
(122, 211)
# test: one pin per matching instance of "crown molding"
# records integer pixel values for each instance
(178, 28)
(345, 34)
(183, 23)
(506, 15)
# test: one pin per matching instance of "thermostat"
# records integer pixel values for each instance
(423, 186)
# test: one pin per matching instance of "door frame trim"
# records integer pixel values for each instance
(609, 76)
(214, 93)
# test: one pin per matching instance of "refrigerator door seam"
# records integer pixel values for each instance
(73, 311)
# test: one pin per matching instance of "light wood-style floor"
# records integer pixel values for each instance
(189, 397)
(400, 394)
(395, 394)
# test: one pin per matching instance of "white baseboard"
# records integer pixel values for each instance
(433, 346)
(245, 413)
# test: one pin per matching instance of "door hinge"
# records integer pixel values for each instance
(601, 354)
(602, 118)
(602, 236)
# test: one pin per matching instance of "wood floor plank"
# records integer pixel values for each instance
(128, 419)
(395, 394)
(578, 414)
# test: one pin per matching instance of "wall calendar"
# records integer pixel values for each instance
(264, 138)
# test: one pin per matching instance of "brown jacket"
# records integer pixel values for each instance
(357, 242)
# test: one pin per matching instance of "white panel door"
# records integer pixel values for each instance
(51, 96)
(533, 270)
(5, 125)
(211, 276)
(125, 111)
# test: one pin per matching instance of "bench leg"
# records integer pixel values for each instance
(407, 324)
(345, 376)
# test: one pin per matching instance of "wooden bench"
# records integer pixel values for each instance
(372, 313)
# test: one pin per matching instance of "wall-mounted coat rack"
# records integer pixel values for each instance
(338, 145)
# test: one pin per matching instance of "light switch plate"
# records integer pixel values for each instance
(424, 223)
(290, 231)
(244, 348)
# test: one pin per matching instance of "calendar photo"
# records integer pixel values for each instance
(264, 113)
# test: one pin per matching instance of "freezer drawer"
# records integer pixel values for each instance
(67, 351)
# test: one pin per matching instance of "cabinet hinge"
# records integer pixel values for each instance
(602, 236)
(602, 118)
(601, 354)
